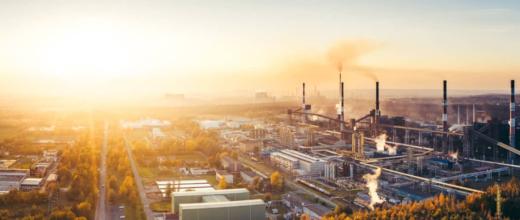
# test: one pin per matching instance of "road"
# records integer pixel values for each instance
(139, 182)
(101, 209)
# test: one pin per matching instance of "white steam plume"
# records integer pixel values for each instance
(372, 185)
(380, 142)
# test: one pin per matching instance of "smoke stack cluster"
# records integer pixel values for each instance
(445, 116)
(512, 121)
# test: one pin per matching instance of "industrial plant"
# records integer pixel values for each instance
(399, 160)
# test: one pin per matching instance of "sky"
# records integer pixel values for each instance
(100, 49)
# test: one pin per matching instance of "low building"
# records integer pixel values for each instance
(248, 176)
(250, 145)
(228, 210)
(228, 204)
(195, 171)
(157, 133)
(11, 179)
(283, 161)
(50, 155)
(298, 162)
(29, 184)
(40, 169)
(11, 182)
(228, 177)
(315, 211)
(230, 164)
(294, 202)
(183, 186)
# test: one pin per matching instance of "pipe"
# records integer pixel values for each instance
(445, 116)
(512, 122)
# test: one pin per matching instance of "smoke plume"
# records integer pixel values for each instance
(345, 54)
(392, 150)
(454, 155)
(380, 142)
(372, 185)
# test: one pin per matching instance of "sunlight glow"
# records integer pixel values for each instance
(87, 53)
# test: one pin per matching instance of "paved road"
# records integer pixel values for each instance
(139, 182)
(102, 205)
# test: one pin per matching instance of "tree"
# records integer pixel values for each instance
(305, 217)
(84, 209)
(169, 190)
(277, 180)
(62, 215)
(222, 184)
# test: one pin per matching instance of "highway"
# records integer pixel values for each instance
(101, 207)
(139, 182)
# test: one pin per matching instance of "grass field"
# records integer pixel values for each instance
(162, 206)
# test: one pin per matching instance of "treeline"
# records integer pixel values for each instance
(194, 139)
(78, 176)
(72, 198)
(475, 206)
(121, 187)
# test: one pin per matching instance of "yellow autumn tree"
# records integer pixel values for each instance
(222, 184)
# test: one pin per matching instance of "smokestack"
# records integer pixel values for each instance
(342, 118)
(304, 109)
(512, 121)
(458, 114)
(377, 97)
(303, 97)
(445, 116)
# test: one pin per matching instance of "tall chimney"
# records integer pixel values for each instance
(378, 112)
(445, 116)
(304, 109)
(303, 97)
(512, 122)
(342, 118)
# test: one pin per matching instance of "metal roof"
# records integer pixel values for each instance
(227, 204)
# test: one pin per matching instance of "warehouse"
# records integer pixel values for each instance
(227, 210)
(297, 162)
(217, 205)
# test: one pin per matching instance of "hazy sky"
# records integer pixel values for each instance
(132, 48)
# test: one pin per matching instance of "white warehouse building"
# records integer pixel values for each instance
(297, 162)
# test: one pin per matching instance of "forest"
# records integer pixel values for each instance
(475, 206)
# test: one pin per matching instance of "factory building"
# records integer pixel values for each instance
(297, 162)
(217, 205)
(11, 179)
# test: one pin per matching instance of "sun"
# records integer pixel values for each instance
(87, 53)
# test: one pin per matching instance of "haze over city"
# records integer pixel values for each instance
(259, 110)
(102, 50)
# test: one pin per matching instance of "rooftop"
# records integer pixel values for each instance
(207, 193)
(226, 204)
(11, 178)
(318, 209)
(32, 181)
(215, 198)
